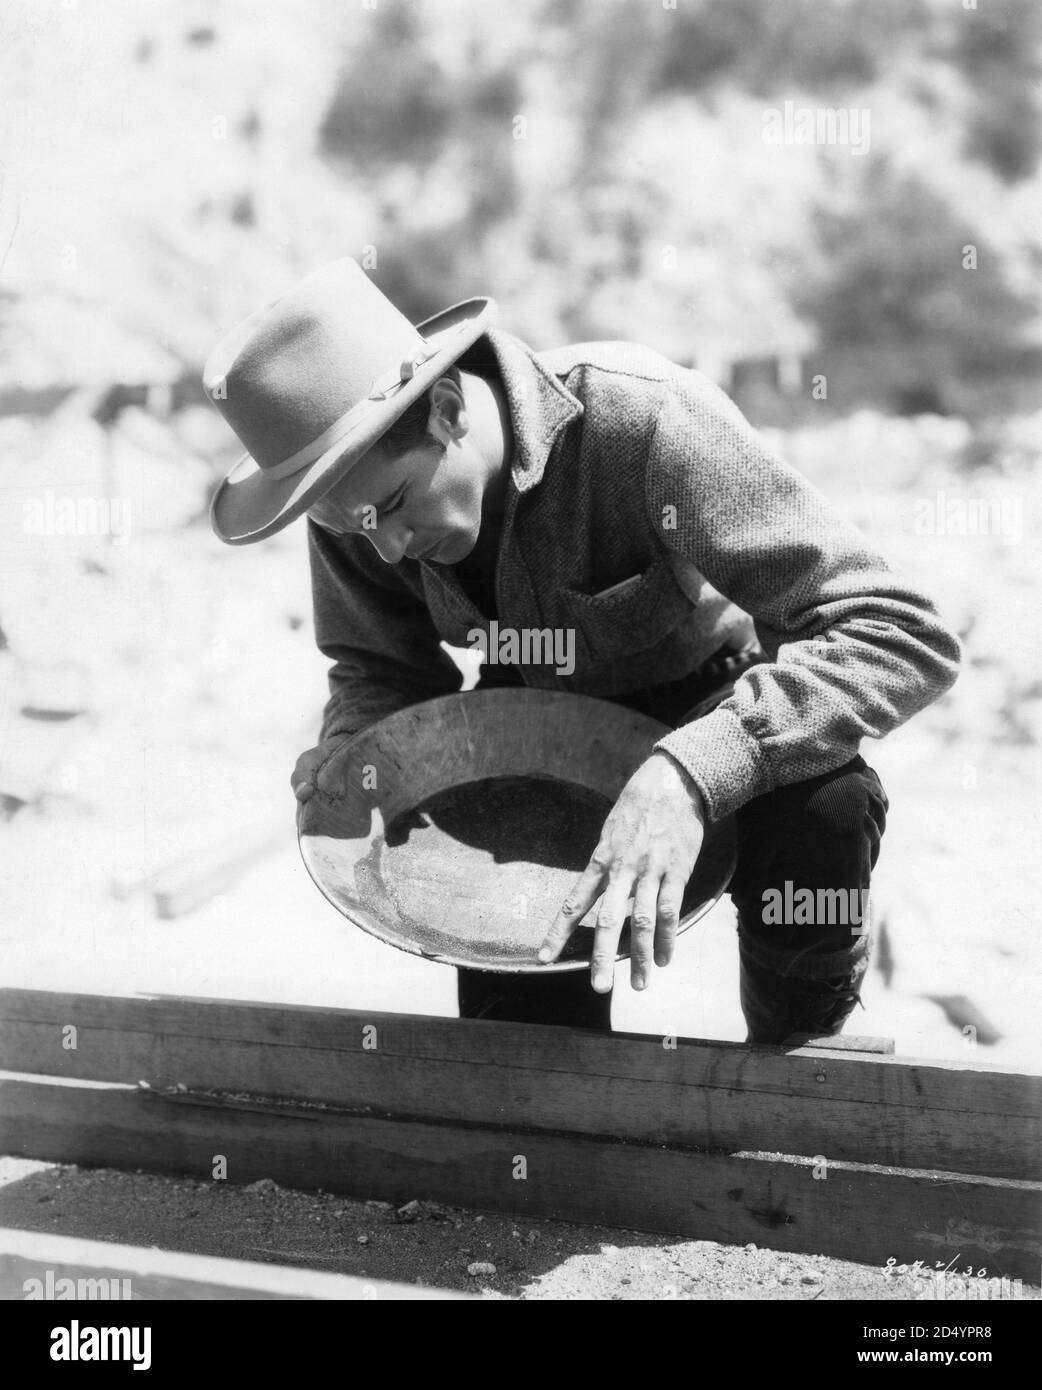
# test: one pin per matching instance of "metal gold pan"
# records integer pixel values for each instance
(454, 829)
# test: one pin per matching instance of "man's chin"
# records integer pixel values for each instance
(453, 549)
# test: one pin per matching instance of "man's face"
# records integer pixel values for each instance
(424, 504)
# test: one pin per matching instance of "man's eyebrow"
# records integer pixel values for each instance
(359, 530)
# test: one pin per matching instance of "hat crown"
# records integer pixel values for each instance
(292, 369)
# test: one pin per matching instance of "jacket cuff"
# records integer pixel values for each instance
(722, 758)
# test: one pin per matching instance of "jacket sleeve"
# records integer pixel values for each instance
(853, 649)
(378, 633)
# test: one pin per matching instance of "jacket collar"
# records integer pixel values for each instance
(540, 406)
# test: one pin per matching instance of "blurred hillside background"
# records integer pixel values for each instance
(605, 169)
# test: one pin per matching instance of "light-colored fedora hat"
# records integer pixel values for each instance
(311, 381)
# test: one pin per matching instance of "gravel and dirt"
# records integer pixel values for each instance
(422, 1242)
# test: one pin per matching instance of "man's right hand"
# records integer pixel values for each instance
(304, 776)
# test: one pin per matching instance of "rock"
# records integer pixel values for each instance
(480, 1267)
(411, 1211)
(363, 1240)
(380, 1208)
(810, 1279)
(263, 1187)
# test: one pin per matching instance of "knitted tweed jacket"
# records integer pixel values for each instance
(628, 467)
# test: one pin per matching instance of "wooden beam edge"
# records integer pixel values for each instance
(861, 1212)
(267, 1021)
(31, 1257)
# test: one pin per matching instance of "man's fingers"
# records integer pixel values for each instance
(327, 774)
(317, 770)
(578, 902)
(670, 897)
(303, 774)
(642, 930)
(610, 917)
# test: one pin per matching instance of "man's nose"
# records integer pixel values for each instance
(391, 541)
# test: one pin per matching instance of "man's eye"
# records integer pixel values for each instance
(395, 505)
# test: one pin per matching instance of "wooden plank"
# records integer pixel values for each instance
(150, 1274)
(181, 887)
(33, 754)
(103, 405)
(718, 1096)
(854, 1211)
(844, 1042)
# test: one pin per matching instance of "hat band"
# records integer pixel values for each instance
(338, 430)
(383, 388)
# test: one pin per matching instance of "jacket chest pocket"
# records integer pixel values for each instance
(634, 618)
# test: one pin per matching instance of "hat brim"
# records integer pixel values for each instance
(250, 505)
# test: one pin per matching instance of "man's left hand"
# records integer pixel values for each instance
(647, 851)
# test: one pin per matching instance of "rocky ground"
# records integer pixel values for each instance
(423, 1242)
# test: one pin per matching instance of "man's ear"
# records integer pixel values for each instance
(448, 416)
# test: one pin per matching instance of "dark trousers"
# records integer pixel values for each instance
(797, 845)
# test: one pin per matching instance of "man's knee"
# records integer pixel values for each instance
(823, 833)
(849, 801)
